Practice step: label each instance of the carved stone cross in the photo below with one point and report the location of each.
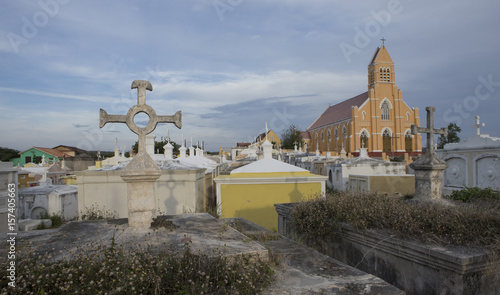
(141, 172)
(429, 130)
(140, 107)
(429, 167)
(478, 125)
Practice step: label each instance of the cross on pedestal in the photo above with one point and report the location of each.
(478, 125)
(140, 107)
(429, 130)
(141, 173)
(429, 167)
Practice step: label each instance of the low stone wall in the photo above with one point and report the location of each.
(411, 266)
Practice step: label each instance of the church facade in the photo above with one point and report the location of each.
(378, 119)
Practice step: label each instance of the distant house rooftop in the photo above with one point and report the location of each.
(243, 144)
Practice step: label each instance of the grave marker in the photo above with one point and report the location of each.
(429, 167)
(142, 172)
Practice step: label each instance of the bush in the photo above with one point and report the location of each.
(474, 193)
(97, 269)
(427, 222)
(55, 218)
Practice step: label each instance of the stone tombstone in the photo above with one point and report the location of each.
(455, 174)
(488, 172)
(429, 167)
(141, 172)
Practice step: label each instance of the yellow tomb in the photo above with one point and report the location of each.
(251, 191)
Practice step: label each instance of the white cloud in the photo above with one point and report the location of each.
(58, 95)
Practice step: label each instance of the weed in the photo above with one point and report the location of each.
(96, 268)
(445, 225)
(95, 213)
(473, 193)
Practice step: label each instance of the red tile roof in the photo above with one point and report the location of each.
(243, 144)
(339, 112)
(50, 151)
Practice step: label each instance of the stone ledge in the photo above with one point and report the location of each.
(409, 265)
(32, 224)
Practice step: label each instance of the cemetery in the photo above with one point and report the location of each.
(250, 147)
(381, 231)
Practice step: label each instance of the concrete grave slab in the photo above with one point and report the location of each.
(200, 231)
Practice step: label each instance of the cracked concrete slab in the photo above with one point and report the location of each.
(305, 271)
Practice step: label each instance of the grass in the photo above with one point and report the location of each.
(94, 212)
(461, 224)
(97, 269)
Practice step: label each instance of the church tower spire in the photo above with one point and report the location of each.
(381, 68)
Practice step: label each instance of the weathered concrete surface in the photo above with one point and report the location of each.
(202, 232)
(303, 270)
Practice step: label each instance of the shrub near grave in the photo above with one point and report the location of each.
(426, 222)
(98, 269)
(474, 193)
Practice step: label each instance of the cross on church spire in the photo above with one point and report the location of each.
(478, 125)
(383, 40)
(429, 130)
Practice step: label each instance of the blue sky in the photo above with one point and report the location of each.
(232, 65)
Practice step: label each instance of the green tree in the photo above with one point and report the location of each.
(453, 130)
(8, 154)
(290, 136)
(158, 147)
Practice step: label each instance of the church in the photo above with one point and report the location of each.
(378, 119)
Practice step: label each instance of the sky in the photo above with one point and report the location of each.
(231, 66)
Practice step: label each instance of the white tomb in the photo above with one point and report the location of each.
(339, 171)
(473, 162)
(34, 202)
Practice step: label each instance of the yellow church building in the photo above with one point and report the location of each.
(378, 119)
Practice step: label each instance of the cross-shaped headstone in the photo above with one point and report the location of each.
(429, 130)
(140, 107)
(478, 125)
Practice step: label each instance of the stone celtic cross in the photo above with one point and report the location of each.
(429, 130)
(141, 172)
(140, 107)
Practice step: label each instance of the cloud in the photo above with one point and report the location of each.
(80, 125)
(58, 95)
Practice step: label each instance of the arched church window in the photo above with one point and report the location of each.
(407, 116)
(386, 110)
(344, 131)
(363, 114)
(322, 137)
(329, 134)
(336, 133)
